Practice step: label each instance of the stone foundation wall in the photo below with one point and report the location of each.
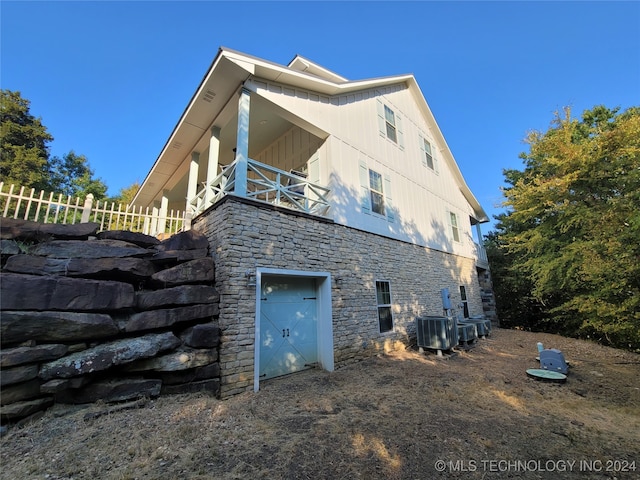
(113, 316)
(488, 297)
(245, 235)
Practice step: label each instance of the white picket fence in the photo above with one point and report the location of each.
(24, 204)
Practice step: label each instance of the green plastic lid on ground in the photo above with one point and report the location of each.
(548, 375)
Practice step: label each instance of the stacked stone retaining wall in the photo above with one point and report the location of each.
(111, 316)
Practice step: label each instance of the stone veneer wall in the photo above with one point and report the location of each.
(113, 317)
(244, 235)
(488, 297)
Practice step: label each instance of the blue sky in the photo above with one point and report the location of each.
(110, 79)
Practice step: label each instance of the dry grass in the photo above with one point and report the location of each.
(390, 417)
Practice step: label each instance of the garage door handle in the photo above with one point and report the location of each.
(285, 334)
(309, 298)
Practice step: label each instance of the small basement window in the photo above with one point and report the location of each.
(465, 303)
(385, 318)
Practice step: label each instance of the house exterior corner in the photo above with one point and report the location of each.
(335, 211)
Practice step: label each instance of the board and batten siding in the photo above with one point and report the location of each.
(291, 151)
(422, 199)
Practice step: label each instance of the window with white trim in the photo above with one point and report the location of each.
(453, 223)
(428, 153)
(376, 193)
(383, 295)
(390, 124)
(390, 120)
(465, 303)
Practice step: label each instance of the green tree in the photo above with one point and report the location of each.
(24, 151)
(72, 175)
(126, 194)
(25, 158)
(572, 230)
(517, 307)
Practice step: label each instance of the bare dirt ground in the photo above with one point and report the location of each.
(403, 415)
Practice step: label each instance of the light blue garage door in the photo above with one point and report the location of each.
(288, 325)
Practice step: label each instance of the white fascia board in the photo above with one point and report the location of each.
(303, 64)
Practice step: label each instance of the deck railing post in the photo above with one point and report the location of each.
(212, 165)
(86, 209)
(155, 215)
(164, 210)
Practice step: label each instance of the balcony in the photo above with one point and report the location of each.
(266, 184)
(481, 256)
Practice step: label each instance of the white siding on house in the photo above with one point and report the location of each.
(422, 197)
(291, 151)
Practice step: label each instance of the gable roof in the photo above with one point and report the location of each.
(304, 65)
(229, 70)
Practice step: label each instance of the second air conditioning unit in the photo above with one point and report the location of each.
(467, 333)
(482, 323)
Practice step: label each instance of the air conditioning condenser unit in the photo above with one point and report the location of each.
(436, 333)
(467, 333)
(482, 324)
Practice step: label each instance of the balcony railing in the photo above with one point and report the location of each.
(267, 184)
(481, 255)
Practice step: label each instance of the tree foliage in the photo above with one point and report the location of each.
(127, 194)
(24, 151)
(25, 158)
(570, 242)
(72, 175)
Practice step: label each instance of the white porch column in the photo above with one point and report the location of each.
(479, 233)
(212, 166)
(155, 214)
(162, 217)
(242, 143)
(192, 182)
